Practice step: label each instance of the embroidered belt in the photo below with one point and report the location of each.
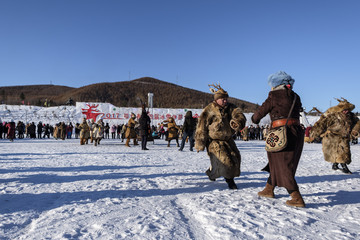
(282, 122)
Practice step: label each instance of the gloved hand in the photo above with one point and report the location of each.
(355, 134)
(234, 125)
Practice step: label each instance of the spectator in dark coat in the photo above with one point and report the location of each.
(32, 130)
(118, 131)
(39, 129)
(47, 131)
(20, 129)
(257, 132)
(1, 130)
(252, 132)
(144, 122)
(107, 131)
(188, 130)
(77, 130)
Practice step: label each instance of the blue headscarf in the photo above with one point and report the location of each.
(280, 78)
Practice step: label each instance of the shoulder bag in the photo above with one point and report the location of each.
(276, 139)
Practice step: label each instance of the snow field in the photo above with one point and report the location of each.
(53, 189)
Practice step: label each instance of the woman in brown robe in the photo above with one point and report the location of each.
(283, 164)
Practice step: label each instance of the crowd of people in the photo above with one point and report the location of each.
(217, 128)
(11, 130)
(134, 129)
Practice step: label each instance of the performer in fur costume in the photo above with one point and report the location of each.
(99, 132)
(130, 131)
(84, 132)
(283, 164)
(335, 127)
(173, 131)
(216, 126)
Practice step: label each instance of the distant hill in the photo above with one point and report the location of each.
(121, 94)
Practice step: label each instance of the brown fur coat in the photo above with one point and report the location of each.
(173, 129)
(214, 131)
(335, 129)
(130, 130)
(85, 130)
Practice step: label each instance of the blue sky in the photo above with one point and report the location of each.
(191, 43)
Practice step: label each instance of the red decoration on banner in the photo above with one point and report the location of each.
(91, 112)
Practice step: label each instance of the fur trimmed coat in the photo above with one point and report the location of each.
(173, 129)
(130, 130)
(92, 126)
(215, 129)
(84, 130)
(99, 130)
(334, 129)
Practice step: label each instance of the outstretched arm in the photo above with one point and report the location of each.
(319, 128)
(238, 120)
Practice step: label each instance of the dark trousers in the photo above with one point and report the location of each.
(191, 140)
(143, 142)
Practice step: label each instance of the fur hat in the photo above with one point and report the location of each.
(280, 78)
(219, 93)
(343, 105)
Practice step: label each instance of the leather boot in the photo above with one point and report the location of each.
(296, 200)
(267, 192)
(335, 166)
(208, 172)
(345, 168)
(168, 144)
(231, 183)
(135, 142)
(127, 142)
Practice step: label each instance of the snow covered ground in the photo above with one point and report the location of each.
(53, 189)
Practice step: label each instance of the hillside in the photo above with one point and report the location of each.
(121, 94)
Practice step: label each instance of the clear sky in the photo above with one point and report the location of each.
(192, 43)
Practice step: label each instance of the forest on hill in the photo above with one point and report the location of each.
(121, 94)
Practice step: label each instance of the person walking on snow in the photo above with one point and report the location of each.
(335, 127)
(283, 164)
(217, 124)
(188, 130)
